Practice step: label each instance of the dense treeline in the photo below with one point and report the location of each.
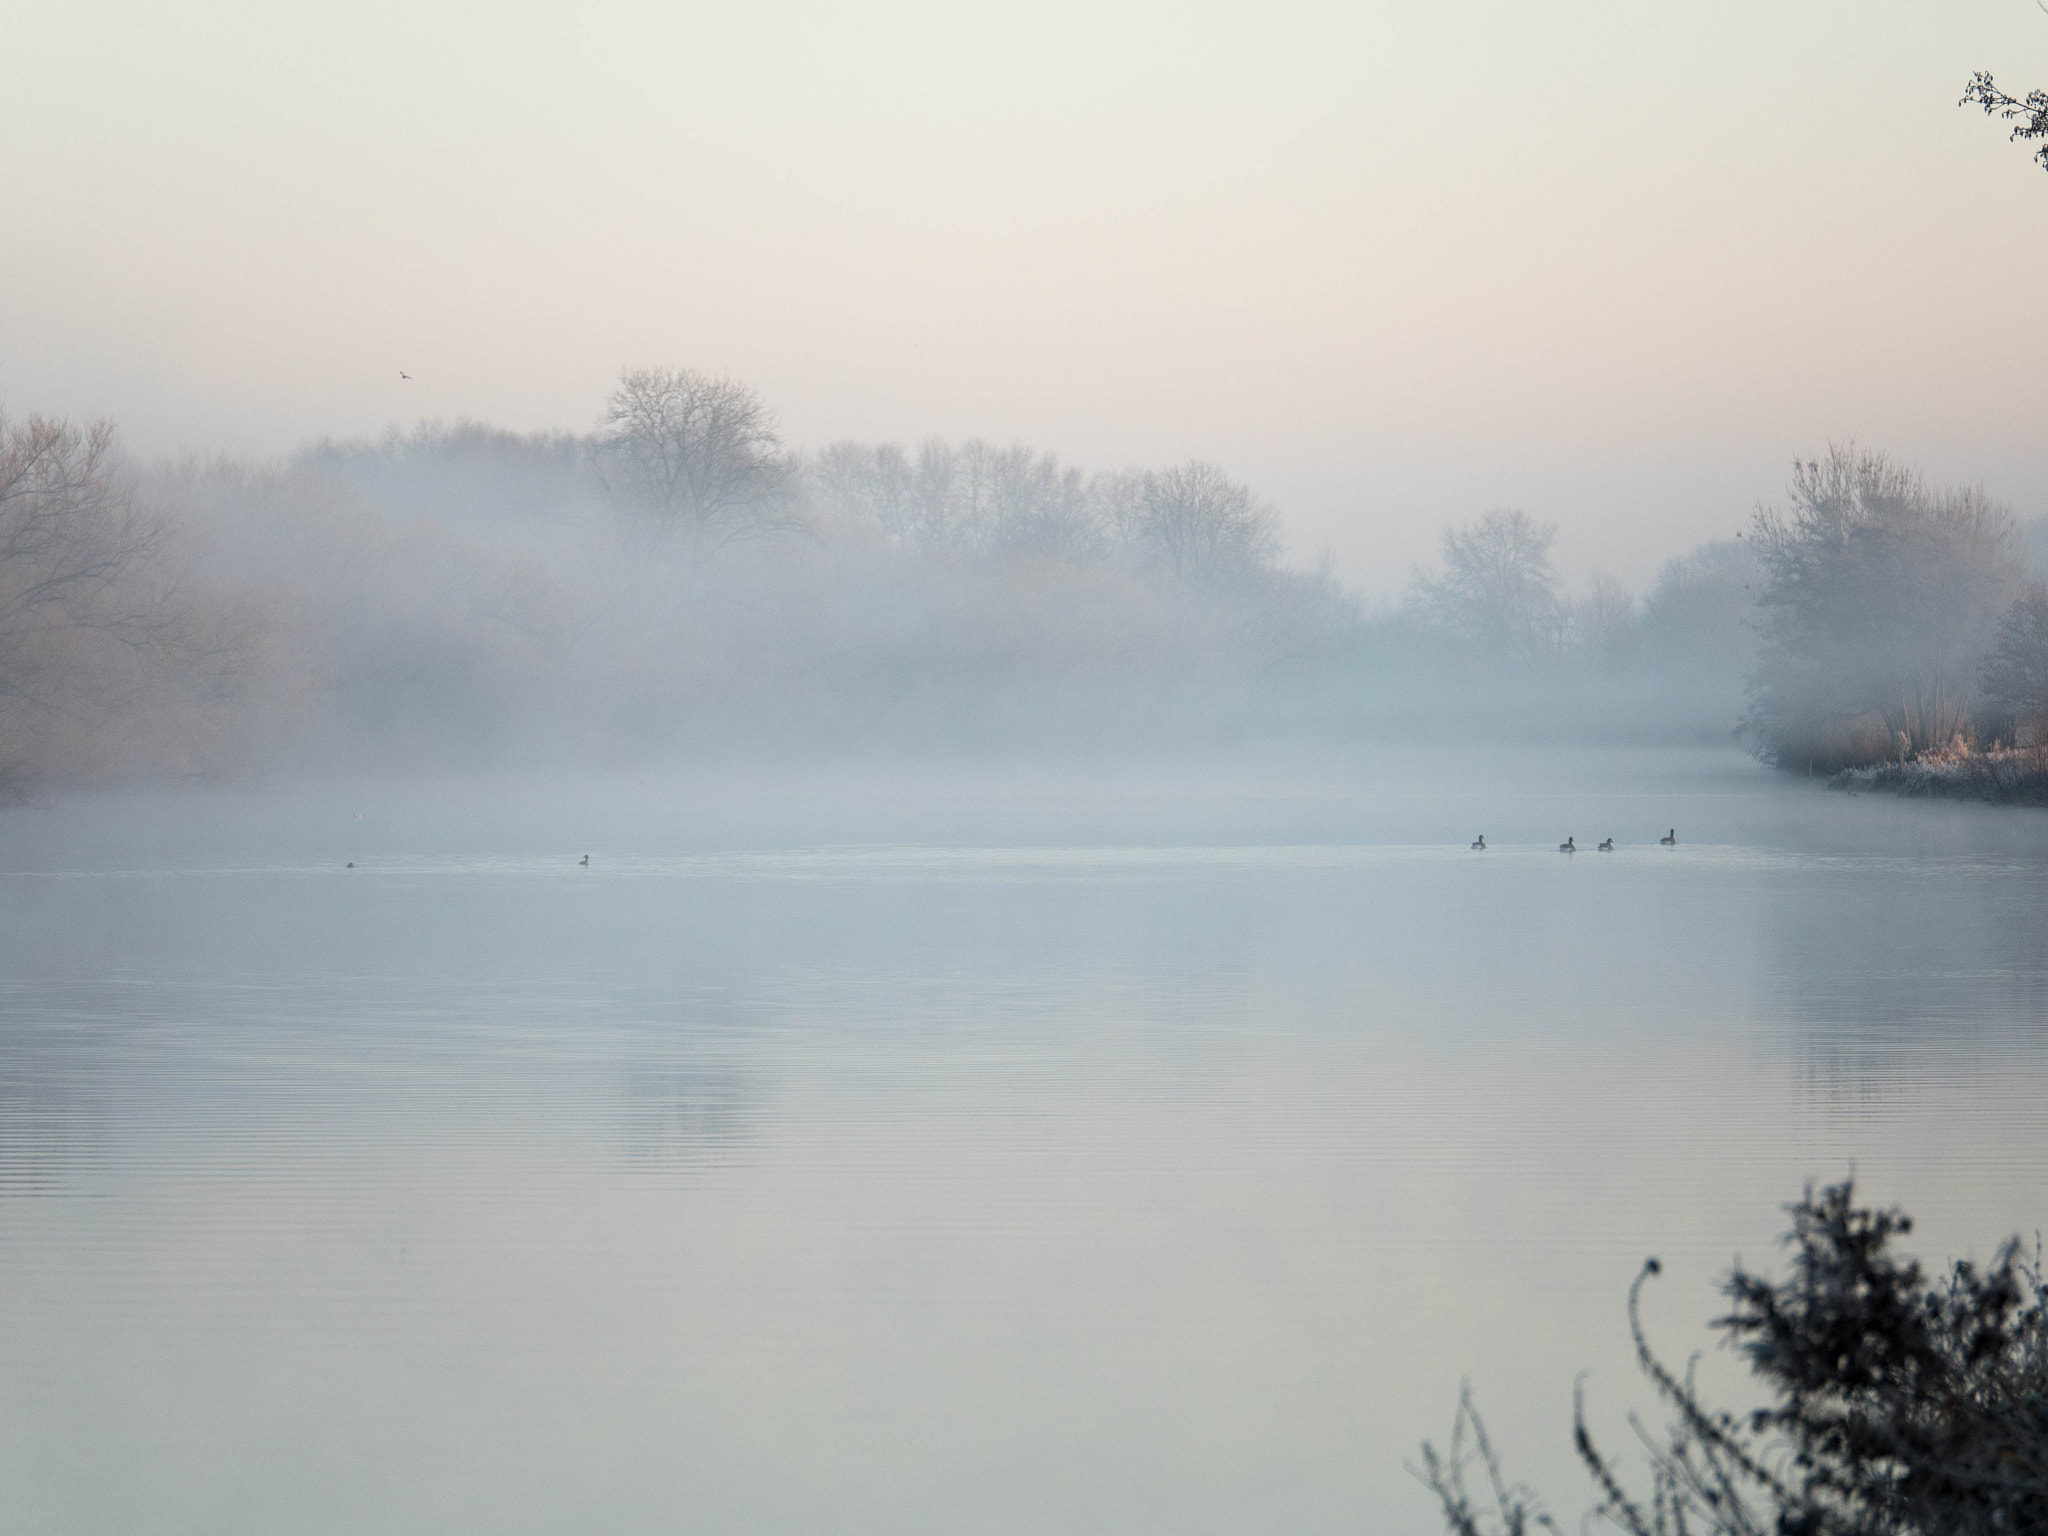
(680, 579)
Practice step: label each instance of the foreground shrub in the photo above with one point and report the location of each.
(1901, 1406)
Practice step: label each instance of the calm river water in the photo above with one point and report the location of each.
(1127, 1150)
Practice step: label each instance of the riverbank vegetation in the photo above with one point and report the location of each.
(1903, 646)
(1999, 775)
(1898, 1404)
(679, 579)
(1880, 605)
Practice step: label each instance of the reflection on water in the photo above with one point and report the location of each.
(683, 1119)
(1135, 1153)
(52, 1118)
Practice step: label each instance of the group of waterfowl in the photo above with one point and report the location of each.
(1571, 844)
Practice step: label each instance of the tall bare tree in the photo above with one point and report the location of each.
(873, 485)
(1198, 524)
(1498, 588)
(80, 604)
(1019, 502)
(699, 452)
(973, 499)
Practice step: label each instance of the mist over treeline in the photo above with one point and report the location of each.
(680, 582)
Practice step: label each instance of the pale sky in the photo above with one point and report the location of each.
(1614, 263)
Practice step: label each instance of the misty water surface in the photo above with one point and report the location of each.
(1151, 1148)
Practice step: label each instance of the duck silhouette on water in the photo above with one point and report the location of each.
(1608, 846)
(584, 862)
(1670, 839)
(1481, 843)
(1569, 845)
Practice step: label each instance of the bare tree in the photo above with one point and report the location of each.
(974, 499)
(872, 485)
(1498, 588)
(700, 452)
(1198, 524)
(1119, 499)
(1019, 502)
(79, 601)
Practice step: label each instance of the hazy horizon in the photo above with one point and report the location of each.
(1390, 266)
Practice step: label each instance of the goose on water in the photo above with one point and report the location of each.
(1608, 846)
(584, 862)
(1569, 845)
(1482, 841)
(1670, 839)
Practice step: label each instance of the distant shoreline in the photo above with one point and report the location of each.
(2013, 776)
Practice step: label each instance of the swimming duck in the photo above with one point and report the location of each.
(584, 862)
(1608, 846)
(1569, 845)
(1670, 839)
(1482, 841)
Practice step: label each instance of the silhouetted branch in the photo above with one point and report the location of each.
(1513, 1510)
(2028, 114)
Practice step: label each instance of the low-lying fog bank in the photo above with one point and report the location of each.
(1413, 796)
(680, 587)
